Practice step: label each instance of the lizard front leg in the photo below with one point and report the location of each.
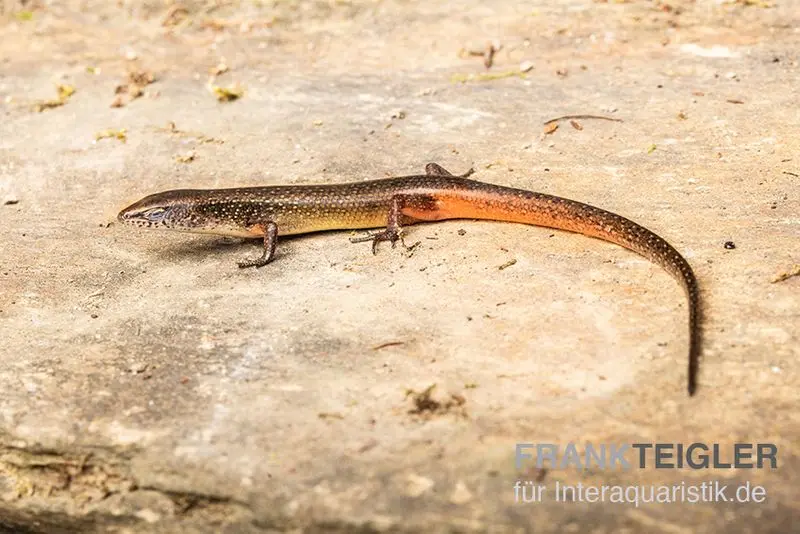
(270, 230)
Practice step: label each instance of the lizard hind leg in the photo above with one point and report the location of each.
(434, 169)
(393, 231)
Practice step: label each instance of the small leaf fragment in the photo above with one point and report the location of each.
(121, 135)
(63, 91)
(550, 127)
(186, 158)
(227, 94)
(486, 76)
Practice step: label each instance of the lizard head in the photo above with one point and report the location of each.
(189, 210)
(170, 209)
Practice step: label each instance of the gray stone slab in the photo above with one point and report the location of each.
(148, 385)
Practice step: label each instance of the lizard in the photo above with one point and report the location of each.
(391, 203)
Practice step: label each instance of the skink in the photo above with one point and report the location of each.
(267, 212)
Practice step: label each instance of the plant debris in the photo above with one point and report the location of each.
(200, 138)
(227, 94)
(133, 88)
(121, 135)
(186, 158)
(582, 117)
(388, 344)
(488, 55)
(486, 77)
(487, 52)
(794, 271)
(550, 127)
(751, 3)
(64, 92)
(245, 26)
(507, 264)
(651, 148)
(425, 404)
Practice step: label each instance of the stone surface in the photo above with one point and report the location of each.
(148, 385)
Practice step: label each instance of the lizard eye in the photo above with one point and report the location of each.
(155, 214)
